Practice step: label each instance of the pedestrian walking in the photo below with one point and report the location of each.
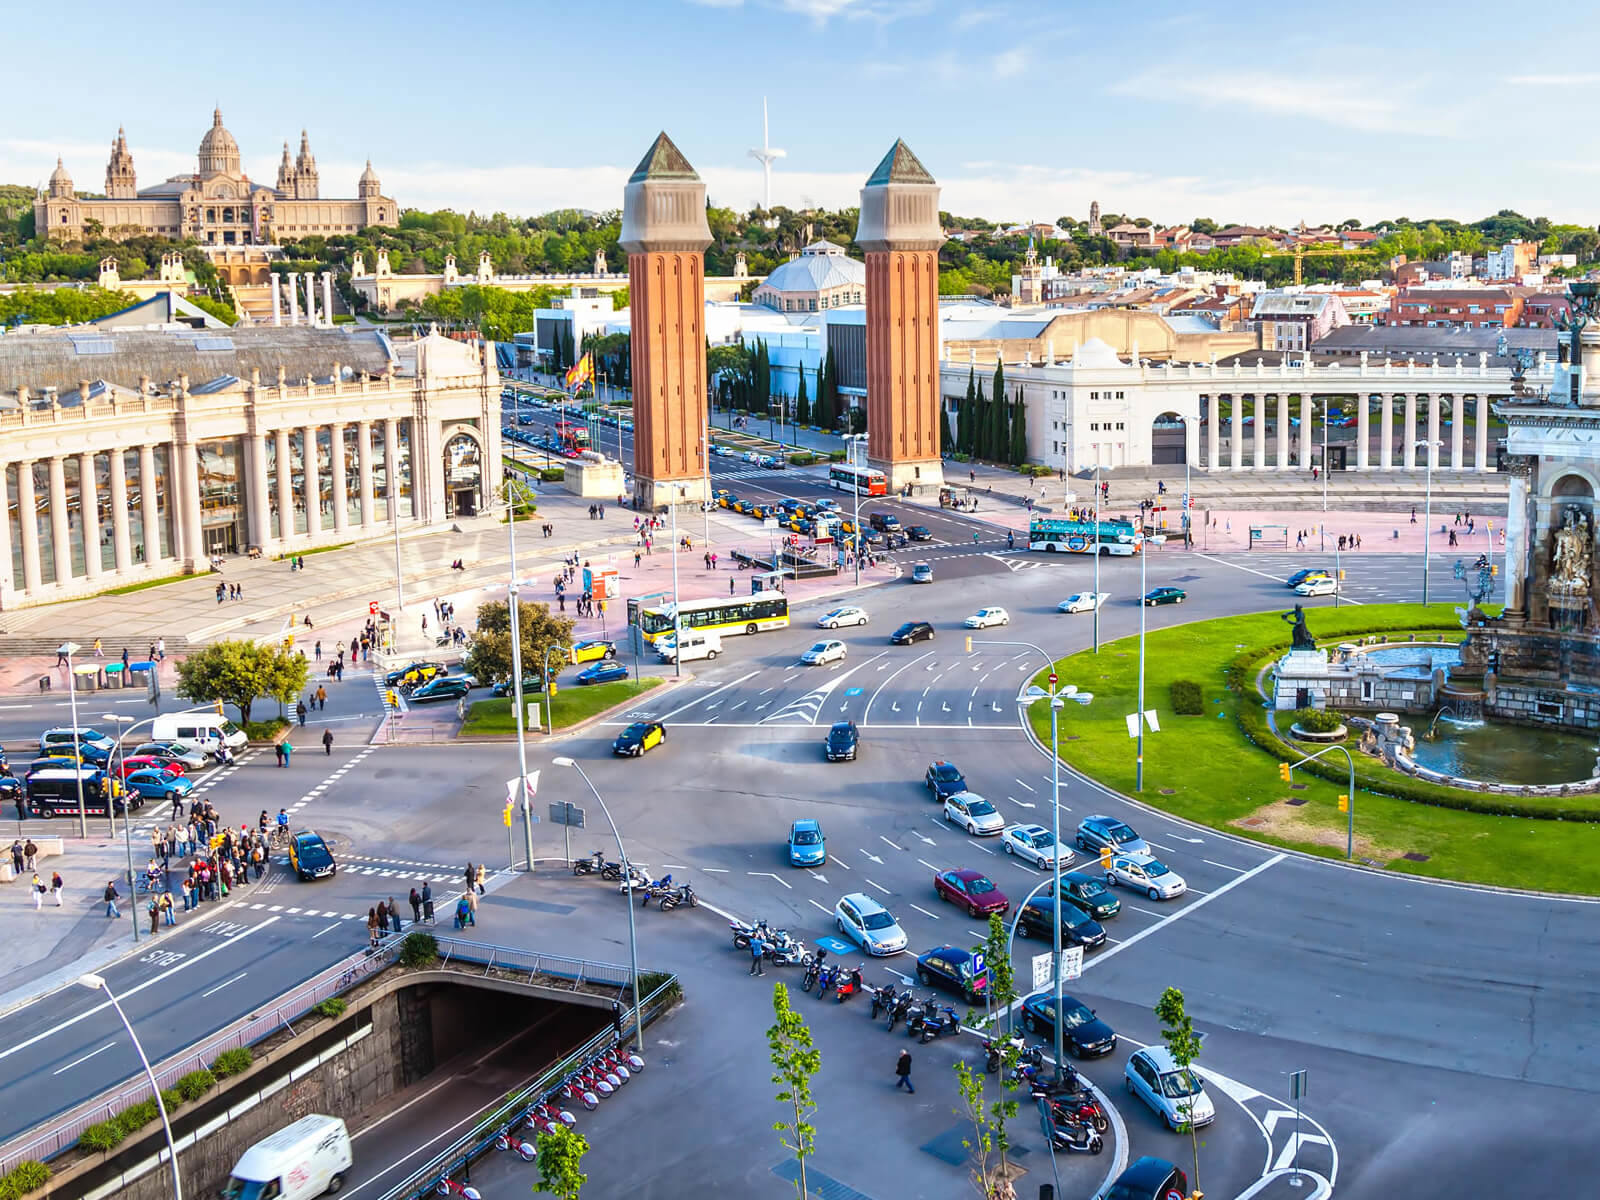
(383, 916)
(167, 915)
(730, 585)
(372, 928)
(17, 857)
(98, 652)
(57, 886)
(427, 902)
(472, 907)
(277, 749)
(394, 915)
(111, 896)
(317, 651)
(37, 888)
(154, 909)
(416, 906)
(125, 658)
(322, 697)
(482, 872)
(300, 710)
(758, 954)
(288, 752)
(902, 1070)
(327, 741)
(471, 876)
(30, 853)
(462, 911)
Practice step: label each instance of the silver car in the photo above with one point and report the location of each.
(870, 924)
(1144, 873)
(1035, 844)
(1173, 1094)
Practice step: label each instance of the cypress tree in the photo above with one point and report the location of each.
(802, 405)
(1019, 433)
(946, 442)
(980, 423)
(999, 426)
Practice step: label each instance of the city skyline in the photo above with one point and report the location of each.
(1320, 124)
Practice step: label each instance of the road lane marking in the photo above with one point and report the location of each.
(1224, 866)
(329, 929)
(929, 865)
(224, 984)
(137, 988)
(887, 842)
(84, 1059)
(819, 907)
(880, 887)
(708, 695)
(716, 870)
(925, 912)
(841, 862)
(1029, 786)
(770, 875)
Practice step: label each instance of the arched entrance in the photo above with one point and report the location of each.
(463, 474)
(1168, 441)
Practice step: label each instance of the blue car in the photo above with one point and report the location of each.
(155, 784)
(603, 672)
(807, 846)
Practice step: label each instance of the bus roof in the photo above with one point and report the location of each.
(1062, 524)
(712, 602)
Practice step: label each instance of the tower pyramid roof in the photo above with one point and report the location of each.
(900, 165)
(662, 161)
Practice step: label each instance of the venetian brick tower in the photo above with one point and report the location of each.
(664, 233)
(900, 232)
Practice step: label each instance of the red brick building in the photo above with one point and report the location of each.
(1456, 308)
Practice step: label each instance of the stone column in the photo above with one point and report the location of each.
(1516, 559)
(364, 461)
(1191, 441)
(1363, 430)
(294, 299)
(1458, 413)
(1408, 447)
(1386, 433)
(391, 476)
(60, 531)
(285, 468)
(260, 496)
(341, 493)
(27, 513)
(1306, 432)
(1284, 431)
(313, 482)
(149, 504)
(119, 510)
(1260, 441)
(191, 524)
(311, 298)
(327, 302)
(89, 506)
(1235, 433)
(1481, 458)
(277, 300)
(1433, 430)
(7, 572)
(1213, 432)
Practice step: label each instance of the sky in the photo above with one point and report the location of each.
(1253, 112)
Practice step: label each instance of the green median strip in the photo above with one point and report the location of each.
(572, 704)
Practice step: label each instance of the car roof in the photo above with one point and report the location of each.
(1160, 1058)
(863, 903)
(1029, 829)
(968, 874)
(1146, 1170)
(805, 823)
(839, 726)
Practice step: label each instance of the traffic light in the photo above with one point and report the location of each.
(1283, 771)
(969, 644)
(1344, 804)
(506, 815)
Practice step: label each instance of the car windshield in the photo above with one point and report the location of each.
(1039, 840)
(980, 885)
(819, 647)
(945, 773)
(878, 920)
(806, 837)
(1121, 834)
(1154, 868)
(1090, 889)
(1075, 1015)
(1073, 918)
(904, 629)
(635, 730)
(979, 808)
(1175, 1085)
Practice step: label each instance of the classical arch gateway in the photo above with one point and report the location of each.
(1168, 440)
(463, 472)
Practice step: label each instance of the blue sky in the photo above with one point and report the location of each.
(1252, 111)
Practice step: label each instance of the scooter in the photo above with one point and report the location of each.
(1068, 1133)
(825, 978)
(744, 933)
(883, 999)
(639, 880)
(995, 1049)
(901, 1009)
(934, 1021)
(785, 951)
(846, 984)
(813, 969)
(682, 894)
(596, 864)
(654, 889)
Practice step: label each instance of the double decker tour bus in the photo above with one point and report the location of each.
(864, 481)
(725, 615)
(573, 435)
(1080, 537)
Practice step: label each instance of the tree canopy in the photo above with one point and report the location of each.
(489, 656)
(240, 672)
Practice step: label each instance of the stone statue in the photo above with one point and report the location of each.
(1302, 636)
(1570, 563)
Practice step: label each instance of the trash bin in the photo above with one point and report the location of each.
(116, 677)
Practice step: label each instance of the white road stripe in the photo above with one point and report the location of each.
(925, 912)
(224, 984)
(84, 1059)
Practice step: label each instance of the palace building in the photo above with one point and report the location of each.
(218, 205)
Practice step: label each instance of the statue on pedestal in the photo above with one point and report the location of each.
(1302, 636)
(1572, 556)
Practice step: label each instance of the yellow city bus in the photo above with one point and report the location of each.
(726, 615)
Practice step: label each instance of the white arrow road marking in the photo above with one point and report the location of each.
(925, 838)
(887, 842)
(872, 856)
(1020, 803)
(819, 877)
(769, 875)
(906, 979)
(1296, 1140)
(925, 912)
(929, 865)
(895, 706)
(946, 704)
(839, 862)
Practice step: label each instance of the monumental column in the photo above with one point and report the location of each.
(664, 233)
(899, 231)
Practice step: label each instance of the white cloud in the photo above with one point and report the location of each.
(1582, 80)
(1008, 64)
(1332, 101)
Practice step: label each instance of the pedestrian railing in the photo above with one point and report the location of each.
(511, 1115)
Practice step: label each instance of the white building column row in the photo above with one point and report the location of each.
(1433, 432)
(27, 507)
(364, 459)
(1306, 438)
(1408, 443)
(313, 481)
(341, 493)
(1283, 431)
(121, 543)
(1363, 431)
(1235, 433)
(1213, 433)
(89, 507)
(1481, 460)
(1386, 433)
(1260, 440)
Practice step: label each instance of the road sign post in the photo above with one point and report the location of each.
(569, 817)
(1297, 1091)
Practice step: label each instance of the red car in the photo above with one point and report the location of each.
(973, 891)
(142, 762)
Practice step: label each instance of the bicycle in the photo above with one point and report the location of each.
(280, 838)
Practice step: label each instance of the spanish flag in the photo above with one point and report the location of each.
(581, 372)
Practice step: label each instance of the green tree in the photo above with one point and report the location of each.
(980, 422)
(220, 309)
(802, 405)
(997, 437)
(489, 656)
(946, 442)
(560, 1159)
(795, 1061)
(239, 672)
(988, 1143)
(1019, 433)
(1177, 1031)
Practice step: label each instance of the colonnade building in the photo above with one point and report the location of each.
(130, 455)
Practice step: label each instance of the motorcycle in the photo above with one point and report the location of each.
(654, 889)
(637, 878)
(825, 978)
(846, 984)
(813, 969)
(682, 894)
(596, 864)
(901, 1010)
(933, 1021)
(785, 951)
(883, 999)
(744, 933)
(995, 1049)
(1069, 1133)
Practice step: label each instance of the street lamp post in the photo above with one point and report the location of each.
(1427, 520)
(549, 713)
(627, 876)
(677, 603)
(1138, 762)
(1096, 609)
(513, 613)
(127, 815)
(69, 649)
(852, 440)
(1327, 401)
(98, 983)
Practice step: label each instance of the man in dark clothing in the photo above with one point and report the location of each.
(327, 741)
(902, 1069)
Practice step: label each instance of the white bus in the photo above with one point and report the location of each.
(730, 615)
(864, 481)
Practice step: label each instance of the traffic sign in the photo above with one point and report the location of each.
(1052, 678)
(372, 608)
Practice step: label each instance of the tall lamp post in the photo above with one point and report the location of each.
(1138, 762)
(127, 815)
(1033, 693)
(69, 649)
(1427, 520)
(1096, 609)
(627, 876)
(98, 983)
(514, 615)
(851, 441)
(1188, 538)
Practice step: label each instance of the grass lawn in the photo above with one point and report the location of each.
(144, 584)
(572, 704)
(1204, 769)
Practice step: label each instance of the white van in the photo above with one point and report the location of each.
(200, 727)
(307, 1159)
(697, 643)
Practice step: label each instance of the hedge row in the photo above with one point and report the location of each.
(803, 459)
(1379, 780)
(232, 1062)
(23, 1178)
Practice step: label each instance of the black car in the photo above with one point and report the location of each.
(1149, 1178)
(919, 533)
(944, 779)
(1301, 576)
(955, 970)
(883, 522)
(1089, 894)
(310, 857)
(1078, 928)
(639, 737)
(441, 687)
(11, 790)
(1083, 1034)
(911, 631)
(843, 742)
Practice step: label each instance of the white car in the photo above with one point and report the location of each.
(1147, 874)
(1318, 585)
(974, 814)
(1173, 1094)
(861, 918)
(750, 456)
(829, 651)
(1083, 602)
(987, 616)
(1035, 844)
(850, 614)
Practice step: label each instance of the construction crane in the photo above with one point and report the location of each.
(1301, 254)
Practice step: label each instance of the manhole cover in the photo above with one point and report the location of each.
(1295, 800)
(1168, 791)
(1252, 822)
(1071, 737)
(1297, 787)
(1413, 856)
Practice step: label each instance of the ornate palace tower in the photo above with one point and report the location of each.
(664, 233)
(900, 232)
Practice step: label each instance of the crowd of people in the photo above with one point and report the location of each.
(212, 860)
